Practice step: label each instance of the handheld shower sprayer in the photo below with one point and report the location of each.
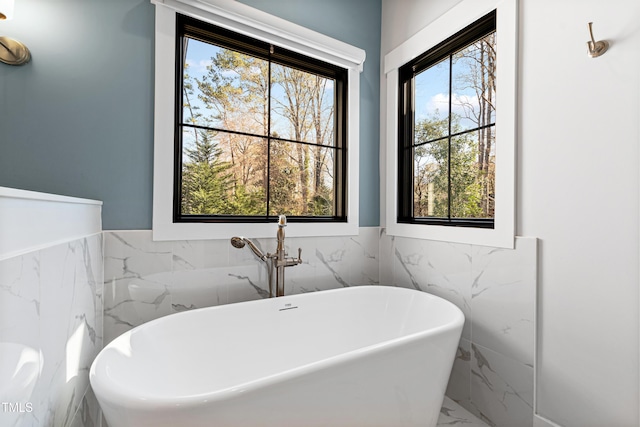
(240, 242)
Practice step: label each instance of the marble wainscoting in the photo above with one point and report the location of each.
(51, 312)
(452, 414)
(145, 279)
(492, 376)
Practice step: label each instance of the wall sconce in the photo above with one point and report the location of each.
(12, 52)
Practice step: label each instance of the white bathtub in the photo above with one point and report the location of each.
(352, 357)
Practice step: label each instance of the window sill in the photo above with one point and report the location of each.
(199, 231)
(473, 236)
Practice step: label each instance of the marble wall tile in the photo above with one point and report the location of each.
(330, 258)
(60, 386)
(503, 295)
(20, 300)
(501, 389)
(247, 283)
(130, 302)
(134, 254)
(89, 413)
(171, 277)
(386, 257)
(202, 276)
(135, 290)
(496, 290)
(302, 278)
(408, 258)
(70, 277)
(20, 332)
(199, 254)
(145, 280)
(57, 291)
(459, 387)
(96, 246)
(363, 257)
(452, 414)
(442, 269)
(447, 272)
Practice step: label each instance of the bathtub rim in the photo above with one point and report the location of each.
(115, 394)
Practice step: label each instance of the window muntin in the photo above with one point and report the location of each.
(260, 130)
(446, 158)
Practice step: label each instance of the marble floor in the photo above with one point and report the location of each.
(453, 414)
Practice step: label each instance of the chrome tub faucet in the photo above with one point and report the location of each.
(278, 260)
(281, 260)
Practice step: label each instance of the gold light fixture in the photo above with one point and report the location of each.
(12, 52)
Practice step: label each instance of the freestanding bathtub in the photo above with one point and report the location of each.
(352, 357)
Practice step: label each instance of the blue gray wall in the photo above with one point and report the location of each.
(78, 119)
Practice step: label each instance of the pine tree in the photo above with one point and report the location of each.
(206, 182)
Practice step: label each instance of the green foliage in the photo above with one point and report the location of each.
(454, 164)
(230, 177)
(433, 171)
(246, 202)
(321, 204)
(205, 179)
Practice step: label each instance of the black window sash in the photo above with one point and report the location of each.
(406, 120)
(212, 34)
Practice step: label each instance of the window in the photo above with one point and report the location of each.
(221, 27)
(446, 159)
(260, 130)
(450, 138)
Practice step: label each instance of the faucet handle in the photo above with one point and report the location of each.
(289, 262)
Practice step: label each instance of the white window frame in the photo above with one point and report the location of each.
(263, 26)
(456, 19)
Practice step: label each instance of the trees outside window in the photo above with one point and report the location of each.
(447, 131)
(260, 130)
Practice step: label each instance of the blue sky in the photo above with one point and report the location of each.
(432, 92)
(198, 58)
